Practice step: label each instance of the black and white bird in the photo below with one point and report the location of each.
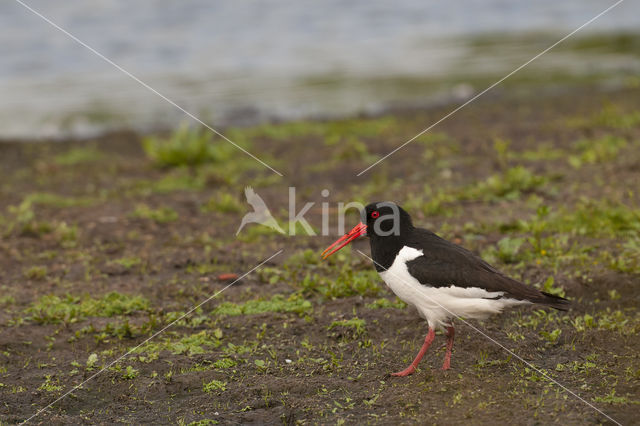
(440, 279)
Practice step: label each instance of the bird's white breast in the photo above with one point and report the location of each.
(438, 305)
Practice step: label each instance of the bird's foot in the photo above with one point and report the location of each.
(446, 366)
(407, 371)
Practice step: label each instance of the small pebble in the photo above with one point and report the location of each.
(225, 277)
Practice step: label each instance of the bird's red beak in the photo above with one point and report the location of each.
(359, 230)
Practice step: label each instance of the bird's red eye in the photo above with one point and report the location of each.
(375, 214)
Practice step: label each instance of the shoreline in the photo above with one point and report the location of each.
(435, 103)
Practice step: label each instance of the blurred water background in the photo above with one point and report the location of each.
(239, 62)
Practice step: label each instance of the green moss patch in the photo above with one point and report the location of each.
(277, 303)
(55, 309)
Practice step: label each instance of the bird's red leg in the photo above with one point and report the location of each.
(423, 350)
(447, 356)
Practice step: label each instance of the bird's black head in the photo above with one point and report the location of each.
(386, 219)
(381, 221)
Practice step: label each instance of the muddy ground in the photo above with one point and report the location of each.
(105, 243)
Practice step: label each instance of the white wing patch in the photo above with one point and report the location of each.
(439, 305)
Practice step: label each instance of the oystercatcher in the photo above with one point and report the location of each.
(440, 279)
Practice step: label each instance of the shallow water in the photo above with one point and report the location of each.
(232, 62)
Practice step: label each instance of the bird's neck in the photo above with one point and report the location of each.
(384, 250)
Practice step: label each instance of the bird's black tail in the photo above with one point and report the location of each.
(554, 301)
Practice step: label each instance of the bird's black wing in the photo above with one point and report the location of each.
(444, 264)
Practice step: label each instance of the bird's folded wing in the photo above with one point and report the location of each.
(450, 268)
